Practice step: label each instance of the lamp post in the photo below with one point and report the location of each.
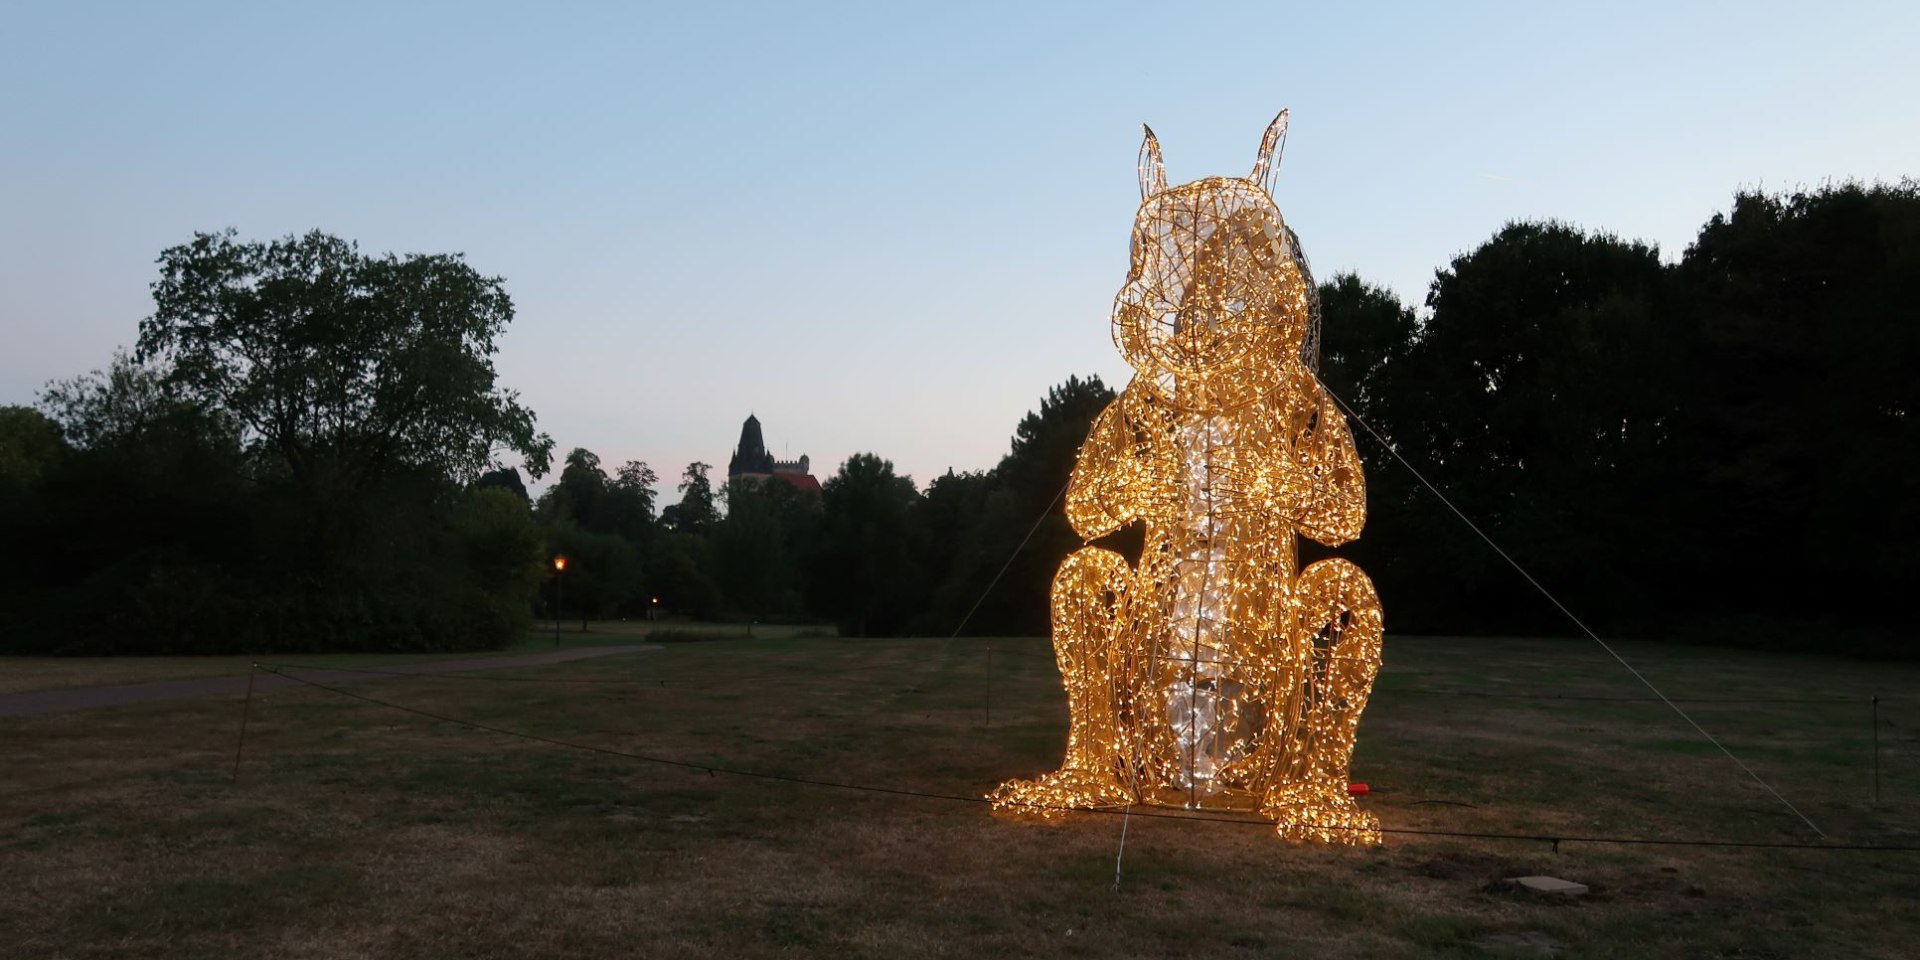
(559, 593)
(653, 612)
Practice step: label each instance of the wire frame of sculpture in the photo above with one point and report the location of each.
(1215, 673)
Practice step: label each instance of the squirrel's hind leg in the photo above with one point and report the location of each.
(1337, 628)
(1087, 596)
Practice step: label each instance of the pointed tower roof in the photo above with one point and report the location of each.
(751, 455)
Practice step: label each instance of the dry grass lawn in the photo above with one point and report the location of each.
(358, 830)
(23, 674)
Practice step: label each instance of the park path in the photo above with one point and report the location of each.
(37, 702)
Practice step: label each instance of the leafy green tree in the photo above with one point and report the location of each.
(609, 524)
(753, 568)
(1539, 395)
(626, 508)
(797, 514)
(577, 496)
(949, 518)
(679, 572)
(505, 478)
(605, 574)
(1047, 442)
(284, 464)
(30, 446)
(1367, 335)
(585, 496)
(113, 404)
(1801, 416)
(1365, 330)
(345, 367)
(125, 539)
(696, 512)
(1021, 523)
(504, 553)
(863, 574)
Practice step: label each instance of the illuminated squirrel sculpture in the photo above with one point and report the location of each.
(1215, 674)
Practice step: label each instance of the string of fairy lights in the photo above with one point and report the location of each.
(1215, 674)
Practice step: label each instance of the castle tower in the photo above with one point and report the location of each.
(750, 456)
(752, 463)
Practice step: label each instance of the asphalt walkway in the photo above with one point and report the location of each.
(37, 702)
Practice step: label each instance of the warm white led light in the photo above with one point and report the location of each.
(1216, 674)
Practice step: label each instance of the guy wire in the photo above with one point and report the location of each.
(1563, 609)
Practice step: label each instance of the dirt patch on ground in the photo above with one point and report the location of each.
(1476, 867)
(1522, 942)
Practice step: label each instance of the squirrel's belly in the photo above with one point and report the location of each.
(1221, 578)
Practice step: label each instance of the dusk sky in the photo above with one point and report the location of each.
(879, 230)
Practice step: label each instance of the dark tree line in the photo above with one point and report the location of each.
(1718, 449)
(869, 553)
(287, 461)
(302, 454)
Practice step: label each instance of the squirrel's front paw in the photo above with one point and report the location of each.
(1322, 814)
(1053, 794)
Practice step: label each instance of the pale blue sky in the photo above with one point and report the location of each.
(879, 228)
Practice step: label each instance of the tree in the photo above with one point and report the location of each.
(505, 478)
(627, 505)
(1046, 442)
(33, 459)
(1365, 331)
(1803, 418)
(106, 406)
(753, 568)
(1018, 520)
(345, 367)
(679, 569)
(126, 537)
(577, 495)
(863, 575)
(950, 522)
(504, 553)
(1539, 395)
(1367, 338)
(604, 573)
(30, 446)
(696, 512)
(286, 462)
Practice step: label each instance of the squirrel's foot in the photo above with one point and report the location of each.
(1053, 794)
(1322, 814)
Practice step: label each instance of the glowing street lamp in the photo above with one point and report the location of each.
(559, 593)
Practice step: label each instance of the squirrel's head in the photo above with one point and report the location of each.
(1215, 283)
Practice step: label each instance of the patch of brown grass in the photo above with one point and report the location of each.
(356, 830)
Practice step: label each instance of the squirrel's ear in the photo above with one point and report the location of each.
(1266, 165)
(1153, 173)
